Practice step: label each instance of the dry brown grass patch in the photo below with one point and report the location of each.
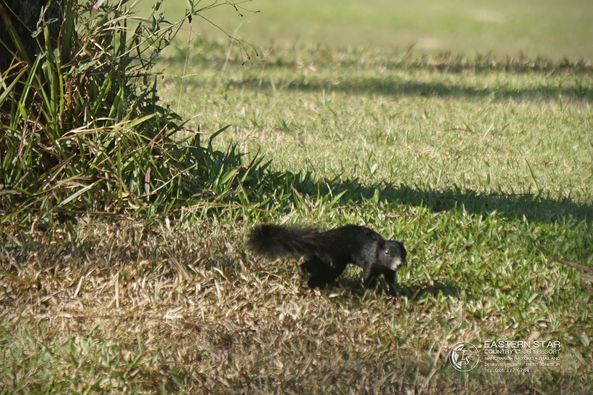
(119, 307)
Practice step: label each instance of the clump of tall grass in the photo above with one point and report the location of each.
(82, 127)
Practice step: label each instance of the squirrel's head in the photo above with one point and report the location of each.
(392, 254)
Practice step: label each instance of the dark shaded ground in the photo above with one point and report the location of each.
(533, 207)
(399, 88)
(214, 54)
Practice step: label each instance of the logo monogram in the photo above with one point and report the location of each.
(464, 357)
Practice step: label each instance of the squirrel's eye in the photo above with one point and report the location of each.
(386, 252)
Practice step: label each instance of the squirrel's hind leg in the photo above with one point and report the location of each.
(323, 274)
(308, 266)
(319, 272)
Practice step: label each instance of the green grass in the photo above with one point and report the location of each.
(482, 165)
(376, 117)
(548, 28)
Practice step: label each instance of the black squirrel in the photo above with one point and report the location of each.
(329, 252)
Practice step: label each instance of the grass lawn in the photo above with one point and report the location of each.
(547, 28)
(481, 164)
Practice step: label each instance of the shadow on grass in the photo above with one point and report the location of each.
(212, 54)
(341, 62)
(400, 88)
(420, 291)
(413, 293)
(533, 207)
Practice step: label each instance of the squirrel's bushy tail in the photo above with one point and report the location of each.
(277, 240)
